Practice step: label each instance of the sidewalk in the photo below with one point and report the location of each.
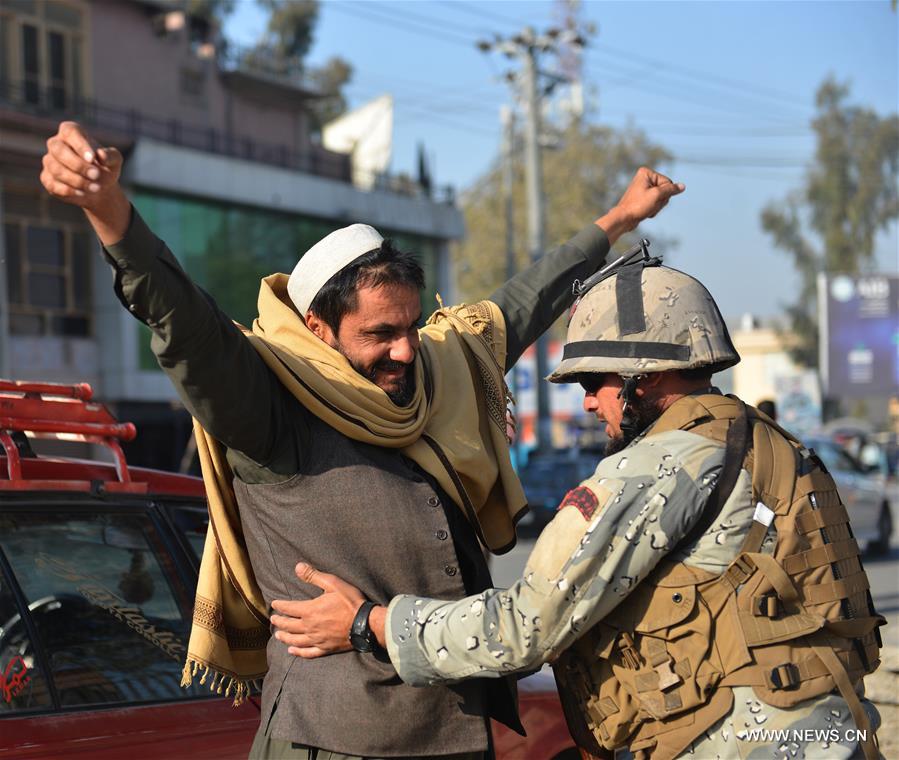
(882, 688)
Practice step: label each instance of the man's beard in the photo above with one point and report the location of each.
(402, 394)
(642, 413)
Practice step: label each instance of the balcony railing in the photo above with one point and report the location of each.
(260, 62)
(56, 104)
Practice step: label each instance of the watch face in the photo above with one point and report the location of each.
(361, 641)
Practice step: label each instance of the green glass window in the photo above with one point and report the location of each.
(227, 250)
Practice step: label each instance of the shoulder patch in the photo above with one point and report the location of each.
(583, 499)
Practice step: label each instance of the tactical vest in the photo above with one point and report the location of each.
(794, 624)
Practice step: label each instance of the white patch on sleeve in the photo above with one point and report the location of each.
(763, 514)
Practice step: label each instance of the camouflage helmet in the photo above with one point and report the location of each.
(643, 318)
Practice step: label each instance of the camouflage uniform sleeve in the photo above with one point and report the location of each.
(608, 534)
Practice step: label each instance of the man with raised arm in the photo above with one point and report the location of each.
(337, 432)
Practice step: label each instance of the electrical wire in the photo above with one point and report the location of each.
(373, 14)
(721, 81)
(435, 110)
(480, 11)
(429, 20)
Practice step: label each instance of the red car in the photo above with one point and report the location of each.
(98, 564)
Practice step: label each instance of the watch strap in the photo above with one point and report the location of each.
(361, 636)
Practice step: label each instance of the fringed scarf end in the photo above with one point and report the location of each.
(220, 683)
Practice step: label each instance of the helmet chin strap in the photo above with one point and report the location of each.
(629, 425)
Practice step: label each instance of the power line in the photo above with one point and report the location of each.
(423, 111)
(442, 105)
(688, 126)
(710, 99)
(682, 95)
(462, 95)
(480, 12)
(441, 24)
(705, 75)
(754, 162)
(423, 24)
(372, 14)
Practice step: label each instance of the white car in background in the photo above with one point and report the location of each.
(863, 489)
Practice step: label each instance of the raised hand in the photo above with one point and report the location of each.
(78, 171)
(647, 194)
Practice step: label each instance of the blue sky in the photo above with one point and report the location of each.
(727, 87)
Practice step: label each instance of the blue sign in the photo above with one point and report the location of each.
(860, 335)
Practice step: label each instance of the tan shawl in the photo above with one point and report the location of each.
(454, 428)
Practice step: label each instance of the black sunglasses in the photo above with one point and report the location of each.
(591, 381)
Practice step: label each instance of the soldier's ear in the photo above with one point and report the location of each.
(648, 382)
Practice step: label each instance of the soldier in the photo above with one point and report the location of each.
(700, 593)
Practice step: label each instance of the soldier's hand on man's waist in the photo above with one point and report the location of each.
(78, 171)
(647, 194)
(322, 625)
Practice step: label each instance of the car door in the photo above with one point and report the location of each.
(95, 605)
(856, 491)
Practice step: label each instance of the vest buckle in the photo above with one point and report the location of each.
(766, 605)
(628, 651)
(667, 677)
(739, 570)
(785, 676)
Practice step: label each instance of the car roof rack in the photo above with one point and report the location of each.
(62, 412)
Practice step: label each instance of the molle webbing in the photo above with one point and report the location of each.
(823, 555)
(793, 624)
(816, 519)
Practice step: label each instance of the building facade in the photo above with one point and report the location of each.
(221, 160)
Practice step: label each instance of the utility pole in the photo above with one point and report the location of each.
(526, 46)
(507, 118)
(536, 234)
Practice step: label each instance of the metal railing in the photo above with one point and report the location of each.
(54, 103)
(259, 61)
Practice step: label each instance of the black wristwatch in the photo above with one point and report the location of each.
(361, 635)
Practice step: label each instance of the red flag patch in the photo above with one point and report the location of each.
(582, 498)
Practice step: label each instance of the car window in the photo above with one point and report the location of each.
(191, 522)
(104, 597)
(22, 682)
(834, 458)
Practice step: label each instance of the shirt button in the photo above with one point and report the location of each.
(442, 534)
(433, 501)
(450, 570)
(132, 308)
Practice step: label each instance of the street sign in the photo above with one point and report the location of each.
(859, 334)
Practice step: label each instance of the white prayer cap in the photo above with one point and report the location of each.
(326, 258)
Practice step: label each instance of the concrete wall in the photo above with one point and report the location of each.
(133, 67)
(764, 358)
(169, 168)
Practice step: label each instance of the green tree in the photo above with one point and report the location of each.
(213, 11)
(582, 178)
(287, 38)
(288, 35)
(849, 195)
(329, 81)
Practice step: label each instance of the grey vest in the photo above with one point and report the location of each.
(367, 514)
